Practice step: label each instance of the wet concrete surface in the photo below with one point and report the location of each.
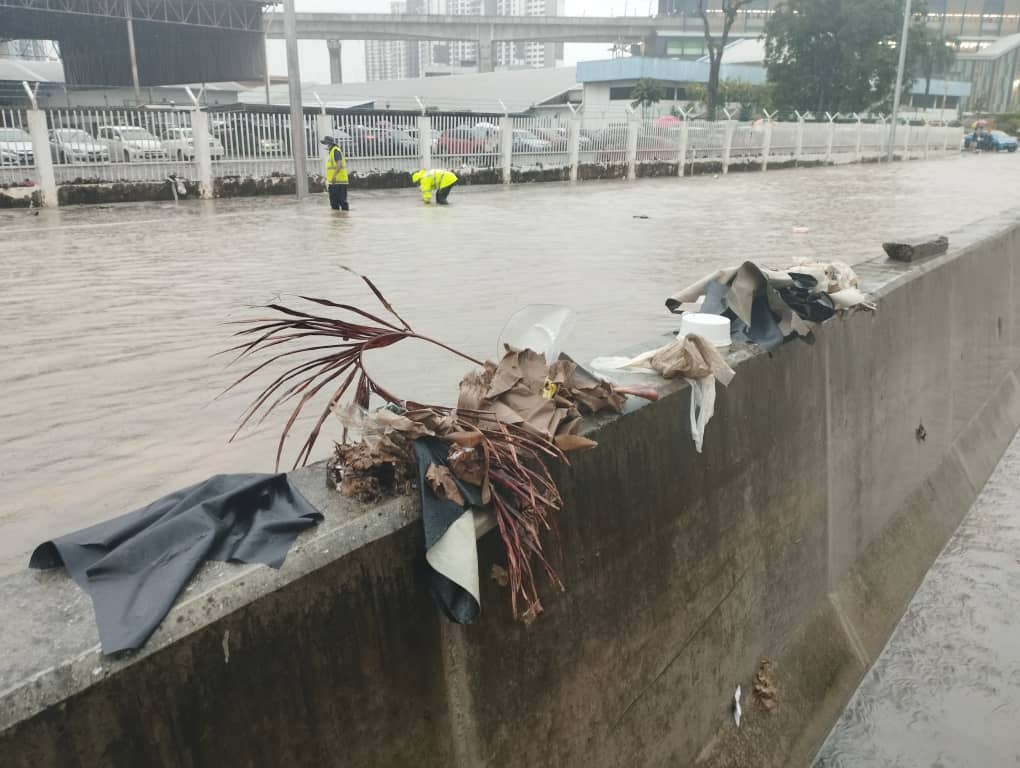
(946, 689)
(112, 315)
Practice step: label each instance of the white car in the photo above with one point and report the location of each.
(73, 145)
(131, 143)
(15, 147)
(180, 143)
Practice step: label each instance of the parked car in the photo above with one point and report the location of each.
(991, 141)
(252, 135)
(15, 147)
(558, 138)
(73, 145)
(526, 141)
(364, 142)
(413, 133)
(461, 141)
(131, 143)
(180, 143)
(396, 141)
(612, 144)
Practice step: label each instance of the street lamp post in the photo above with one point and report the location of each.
(297, 112)
(899, 82)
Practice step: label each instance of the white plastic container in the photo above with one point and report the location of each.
(714, 328)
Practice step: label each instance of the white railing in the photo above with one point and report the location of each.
(17, 154)
(111, 145)
(150, 145)
(539, 143)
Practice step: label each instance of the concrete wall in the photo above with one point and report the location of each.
(799, 536)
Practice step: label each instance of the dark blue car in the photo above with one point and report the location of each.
(990, 141)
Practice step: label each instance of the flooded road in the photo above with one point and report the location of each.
(945, 691)
(111, 316)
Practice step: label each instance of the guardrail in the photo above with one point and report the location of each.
(150, 145)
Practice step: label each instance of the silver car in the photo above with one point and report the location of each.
(73, 145)
(15, 147)
(131, 144)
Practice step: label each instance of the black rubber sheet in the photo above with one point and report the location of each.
(438, 515)
(134, 566)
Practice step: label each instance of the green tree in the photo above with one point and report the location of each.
(835, 55)
(646, 93)
(933, 52)
(715, 47)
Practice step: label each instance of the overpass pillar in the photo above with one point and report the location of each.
(485, 54)
(336, 67)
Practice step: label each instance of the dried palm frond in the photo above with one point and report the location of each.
(338, 364)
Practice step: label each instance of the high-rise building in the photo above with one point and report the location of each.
(395, 59)
(506, 55)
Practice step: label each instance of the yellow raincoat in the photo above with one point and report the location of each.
(436, 180)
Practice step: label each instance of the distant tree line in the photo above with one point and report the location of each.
(828, 55)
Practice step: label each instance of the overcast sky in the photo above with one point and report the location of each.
(315, 59)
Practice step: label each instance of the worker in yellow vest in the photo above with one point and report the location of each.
(436, 180)
(336, 174)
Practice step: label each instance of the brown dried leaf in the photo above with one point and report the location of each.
(574, 443)
(529, 615)
(440, 479)
(467, 464)
(499, 575)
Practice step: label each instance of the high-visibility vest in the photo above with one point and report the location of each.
(336, 166)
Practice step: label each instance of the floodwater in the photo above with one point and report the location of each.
(112, 315)
(945, 691)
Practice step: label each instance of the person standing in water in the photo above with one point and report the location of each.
(336, 175)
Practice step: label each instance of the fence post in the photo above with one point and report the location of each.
(927, 136)
(425, 140)
(632, 136)
(767, 143)
(574, 145)
(883, 139)
(832, 137)
(859, 139)
(731, 126)
(685, 139)
(906, 143)
(200, 135)
(945, 137)
(43, 161)
(506, 135)
(798, 148)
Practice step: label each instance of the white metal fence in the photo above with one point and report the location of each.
(17, 155)
(114, 145)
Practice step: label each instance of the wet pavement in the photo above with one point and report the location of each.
(112, 315)
(946, 690)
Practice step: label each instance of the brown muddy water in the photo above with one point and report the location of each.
(112, 316)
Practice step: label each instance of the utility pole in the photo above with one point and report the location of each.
(899, 81)
(131, 52)
(297, 112)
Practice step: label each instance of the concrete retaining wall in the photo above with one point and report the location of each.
(799, 536)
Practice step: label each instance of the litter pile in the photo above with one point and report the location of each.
(766, 304)
(482, 464)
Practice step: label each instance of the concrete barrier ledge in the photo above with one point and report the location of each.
(799, 535)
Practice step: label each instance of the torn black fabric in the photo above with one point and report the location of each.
(437, 516)
(804, 298)
(134, 566)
